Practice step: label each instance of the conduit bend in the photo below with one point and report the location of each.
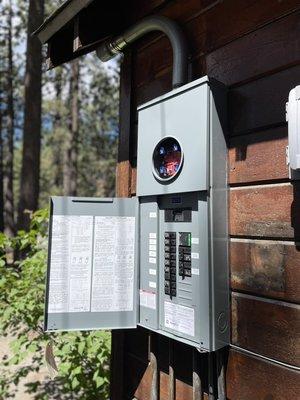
(171, 29)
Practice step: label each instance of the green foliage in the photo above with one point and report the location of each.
(82, 357)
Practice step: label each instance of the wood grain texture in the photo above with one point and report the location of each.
(268, 268)
(261, 103)
(259, 156)
(123, 179)
(267, 327)
(140, 377)
(204, 27)
(250, 378)
(265, 211)
(274, 46)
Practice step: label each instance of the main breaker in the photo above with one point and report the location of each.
(159, 260)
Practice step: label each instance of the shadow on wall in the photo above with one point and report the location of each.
(295, 213)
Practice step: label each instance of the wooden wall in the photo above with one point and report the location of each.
(253, 47)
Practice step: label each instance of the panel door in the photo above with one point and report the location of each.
(92, 264)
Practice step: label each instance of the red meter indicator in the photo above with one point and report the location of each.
(167, 159)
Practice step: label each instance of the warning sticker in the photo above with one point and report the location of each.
(147, 299)
(180, 318)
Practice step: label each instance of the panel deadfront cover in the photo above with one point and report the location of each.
(92, 259)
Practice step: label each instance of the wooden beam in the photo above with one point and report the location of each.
(267, 327)
(250, 378)
(269, 211)
(266, 268)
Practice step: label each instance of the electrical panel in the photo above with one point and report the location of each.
(293, 119)
(159, 260)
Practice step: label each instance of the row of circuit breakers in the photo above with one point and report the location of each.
(159, 260)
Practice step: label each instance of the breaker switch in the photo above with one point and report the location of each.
(173, 277)
(187, 272)
(170, 260)
(185, 238)
(187, 257)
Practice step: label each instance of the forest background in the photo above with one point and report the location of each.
(58, 136)
(58, 128)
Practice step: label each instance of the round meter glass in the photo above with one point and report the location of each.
(167, 159)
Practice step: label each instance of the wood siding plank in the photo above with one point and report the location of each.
(273, 47)
(250, 378)
(267, 327)
(260, 156)
(206, 32)
(265, 211)
(261, 103)
(267, 268)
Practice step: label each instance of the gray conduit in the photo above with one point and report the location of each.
(171, 29)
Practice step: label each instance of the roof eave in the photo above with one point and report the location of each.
(59, 18)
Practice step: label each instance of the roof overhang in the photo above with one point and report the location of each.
(60, 17)
(78, 27)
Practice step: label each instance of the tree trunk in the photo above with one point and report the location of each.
(1, 173)
(57, 121)
(30, 171)
(8, 178)
(71, 153)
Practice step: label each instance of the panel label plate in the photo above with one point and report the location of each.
(179, 318)
(148, 299)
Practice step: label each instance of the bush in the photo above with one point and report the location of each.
(82, 357)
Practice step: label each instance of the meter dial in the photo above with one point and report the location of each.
(167, 159)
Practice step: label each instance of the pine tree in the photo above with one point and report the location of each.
(30, 172)
(71, 152)
(8, 162)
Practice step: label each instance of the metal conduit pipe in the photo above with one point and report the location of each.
(171, 29)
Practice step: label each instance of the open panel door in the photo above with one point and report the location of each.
(92, 264)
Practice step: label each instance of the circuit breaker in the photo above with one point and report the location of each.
(159, 260)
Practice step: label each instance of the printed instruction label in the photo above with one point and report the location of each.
(113, 269)
(179, 318)
(148, 299)
(71, 264)
(92, 264)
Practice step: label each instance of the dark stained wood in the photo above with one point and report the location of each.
(250, 378)
(206, 31)
(261, 103)
(265, 211)
(270, 48)
(267, 327)
(260, 156)
(123, 173)
(268, 268)
(117, 369)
